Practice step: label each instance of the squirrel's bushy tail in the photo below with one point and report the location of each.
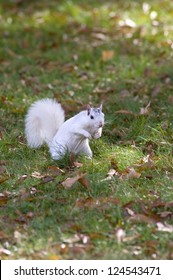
(42, 121)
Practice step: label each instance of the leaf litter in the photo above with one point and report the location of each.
(149, 212)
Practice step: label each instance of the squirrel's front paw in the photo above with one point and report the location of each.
(97, 134)
(87, 135)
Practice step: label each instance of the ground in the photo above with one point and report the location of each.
(119, 204)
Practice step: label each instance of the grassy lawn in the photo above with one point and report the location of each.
(118, 53)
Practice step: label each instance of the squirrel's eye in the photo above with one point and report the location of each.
(91, 117)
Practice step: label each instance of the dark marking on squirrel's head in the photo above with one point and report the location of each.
(88, 109)
(96, 115)
(95, 110)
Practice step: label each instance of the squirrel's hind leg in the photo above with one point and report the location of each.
(85, 149)
(57, 151)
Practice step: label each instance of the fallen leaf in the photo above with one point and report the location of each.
(4, 177)
(69, 68)
(78, 249)
(55, 170)
(84, 182)
(120, 234)
(4, 251)
(130, 174)
(47, 179)
(64, 248)
(125, 112)
(146, 164)
(145, 110)
(164, 227)
(33, 190)
(100, 36)
(69, 182)
(3, 199)
(111, 174)
(18, 236)
(150, 247)
(97, 235)
(103, 90)
(166, 214)
(129, 211)
(129, 22)
(156, 90)
(131, 238)
(21, 179)
(3, 235)
(100, 202)
(23, 218)
(107, 55)
(37, 175)
(141, 218)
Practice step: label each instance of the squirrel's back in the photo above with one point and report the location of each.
(42, 121)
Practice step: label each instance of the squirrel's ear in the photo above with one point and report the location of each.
(88, 109)
(101, 106)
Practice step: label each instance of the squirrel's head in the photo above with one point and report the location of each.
(96, 116)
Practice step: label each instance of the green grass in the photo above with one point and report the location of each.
(55, 49)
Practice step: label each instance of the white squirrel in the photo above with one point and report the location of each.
(44, 123)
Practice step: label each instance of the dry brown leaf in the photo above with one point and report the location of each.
(130, 174)
(4, 177)
(146, 164)
(103, 90)
(69, 67)
(3, 199)
(131, 238)
(145, 110)
(55, 170)
(111, 174)
(141, 218)
(166, 214)
(63, 248)
(156, 90)
(69, 182)
(84, 182)
(100, 202)
(125, 112)
(47, 179)
(88, 202)
(107, 55)
(159, 203)
(3, 235)
(21, 179)
(78, 249)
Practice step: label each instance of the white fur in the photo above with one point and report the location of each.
(45, 123)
